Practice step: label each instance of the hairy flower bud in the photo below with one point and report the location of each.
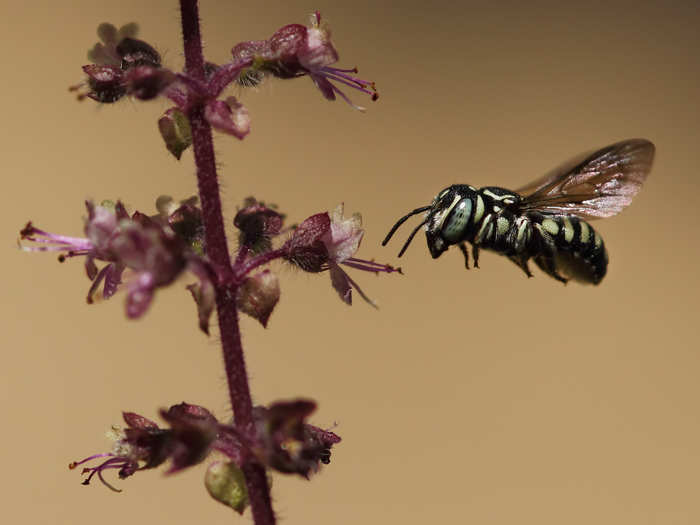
(106, 83)
(257, 223)
(134, 52)
(305, 248)
(225, 482)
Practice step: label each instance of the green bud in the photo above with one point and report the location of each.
(226, 483)
(175, 130)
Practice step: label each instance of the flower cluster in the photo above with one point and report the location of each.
(140, 253)
(123, 65)
(280, 439)
(154, 251)
(143, 253)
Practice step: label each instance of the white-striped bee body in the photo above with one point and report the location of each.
(547, 220)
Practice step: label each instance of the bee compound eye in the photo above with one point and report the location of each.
(456, 223)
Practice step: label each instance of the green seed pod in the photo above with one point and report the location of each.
(226, 483)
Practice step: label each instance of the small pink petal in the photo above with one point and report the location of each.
(229, 117)
(341, 283)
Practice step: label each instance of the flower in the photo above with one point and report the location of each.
(229, 116)
(324, 242)
(288, 444)
(149, 248)
(144, 445)
(296, 50)
(279, 438)
(122, 64)
(106, 52)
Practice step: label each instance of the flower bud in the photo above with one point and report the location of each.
(225, 483)
(306, 248)
(105, 82)
(258, 223)
(134, 52)
(176, 132)
(258, 296)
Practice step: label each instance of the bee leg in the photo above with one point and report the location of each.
(547, 265)
(475, 254)
(521, 261)
(463, 249)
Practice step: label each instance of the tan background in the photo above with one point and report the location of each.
(469, 397)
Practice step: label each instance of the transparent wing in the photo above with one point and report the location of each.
(594, 185)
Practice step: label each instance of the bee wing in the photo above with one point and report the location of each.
(594, 185)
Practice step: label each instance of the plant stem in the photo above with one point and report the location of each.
(217, 251)
(243, 267)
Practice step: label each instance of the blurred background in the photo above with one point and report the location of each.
(470, 396)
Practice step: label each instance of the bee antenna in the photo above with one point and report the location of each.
(410, 237)
(401, 221)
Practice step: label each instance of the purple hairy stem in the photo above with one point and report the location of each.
(217, 251)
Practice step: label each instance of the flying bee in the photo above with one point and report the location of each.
(545, 220)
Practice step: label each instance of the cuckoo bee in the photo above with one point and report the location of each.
(547, 220)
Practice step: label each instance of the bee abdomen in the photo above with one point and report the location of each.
(570, 249)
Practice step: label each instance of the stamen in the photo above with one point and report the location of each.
(353, 70)
(106, 484)
(334, 73)
(346, 99)
(354, 85)
(370, 266)
(114, 462)
(74, 464)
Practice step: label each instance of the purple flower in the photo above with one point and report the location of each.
(285, 442)
(324, 242)
(294, 51)
(122, 64)
(106, 52)
(229, 116)
(150, 248)
(143, 445)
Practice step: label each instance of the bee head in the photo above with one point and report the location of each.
(435, 218)
(436, 214)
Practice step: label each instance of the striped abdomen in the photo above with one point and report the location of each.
(570, 248)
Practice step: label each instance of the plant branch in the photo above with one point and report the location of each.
(217, 252)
